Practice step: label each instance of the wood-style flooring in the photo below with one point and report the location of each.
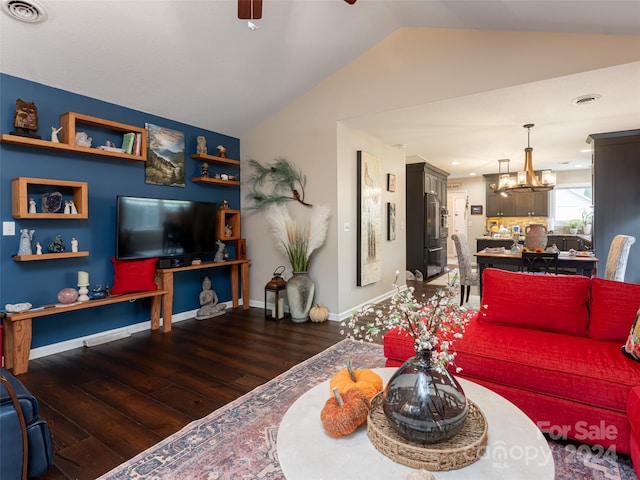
(107, 403)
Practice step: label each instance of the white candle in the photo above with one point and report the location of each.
(83, 278)
(280, 308)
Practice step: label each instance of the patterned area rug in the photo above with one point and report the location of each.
(238, 441)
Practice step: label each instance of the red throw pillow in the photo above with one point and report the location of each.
(555, 303)
(613, 307)
(134, 275)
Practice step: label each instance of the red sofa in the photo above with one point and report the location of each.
(552, 346)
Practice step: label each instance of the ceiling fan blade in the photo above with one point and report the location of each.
(249, 9)
(257, 9)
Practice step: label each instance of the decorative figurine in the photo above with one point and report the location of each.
(32, 205)
(201, 147)
(223, 205)
(67, 207)
(74, 244)
(54, 134)
(72, 206)
(38, 248)
(224, 176)
(209, 302)
(222, 152)
(222, 254)
(97, 293)
(205, 170)
(25, 242)
(228, 231)
(83, 140)
(57, 246)
(26, 119)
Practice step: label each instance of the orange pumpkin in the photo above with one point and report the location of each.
(365, 380)
(342, 414)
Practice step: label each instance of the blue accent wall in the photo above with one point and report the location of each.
(39, 282)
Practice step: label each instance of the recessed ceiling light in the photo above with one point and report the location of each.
(29, 11)
(586, 99)
(455, 163)
(472, 174)
(585, 150)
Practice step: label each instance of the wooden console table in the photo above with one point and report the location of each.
(165, 281)
(18, 326)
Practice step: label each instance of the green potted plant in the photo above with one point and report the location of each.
(574, 225)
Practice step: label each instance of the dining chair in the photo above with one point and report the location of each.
(468, 277)
(617, 258)
(540, 262)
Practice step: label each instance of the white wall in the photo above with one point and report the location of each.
(393, 252)
(412, 66)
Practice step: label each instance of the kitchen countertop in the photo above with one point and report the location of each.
(579, 235)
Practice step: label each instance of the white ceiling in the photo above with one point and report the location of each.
(194, 61)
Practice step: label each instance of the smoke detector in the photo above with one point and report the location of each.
(29, 11)
(586, 99)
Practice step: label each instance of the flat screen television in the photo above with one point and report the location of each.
(163, 228)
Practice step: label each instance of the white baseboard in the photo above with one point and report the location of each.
(109, 335)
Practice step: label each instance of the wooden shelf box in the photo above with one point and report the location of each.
(228, 217)
(22, 188)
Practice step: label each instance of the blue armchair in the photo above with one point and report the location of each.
(25, 440)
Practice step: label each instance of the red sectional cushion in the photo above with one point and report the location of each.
(133, 275)
(633, 411)
(613, 308)
(555, 303)
(574, 368)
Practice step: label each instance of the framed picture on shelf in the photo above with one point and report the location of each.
(391, 182)
(476, 209)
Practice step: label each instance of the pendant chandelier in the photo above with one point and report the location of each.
(525, 180)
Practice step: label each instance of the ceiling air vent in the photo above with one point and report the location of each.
(586, 99)
(28, 11)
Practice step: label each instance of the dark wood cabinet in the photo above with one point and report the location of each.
(533, 204)
(427, 231)
(616, 195)
(568, 242)
(521, 204)
(500, 206)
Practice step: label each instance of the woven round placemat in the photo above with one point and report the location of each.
(462, 450)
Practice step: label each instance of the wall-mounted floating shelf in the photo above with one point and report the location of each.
(216, 181)
(212, 158)
(49, 256)
(22, 190)
(69, 122)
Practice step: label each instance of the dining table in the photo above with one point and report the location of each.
(578, 263)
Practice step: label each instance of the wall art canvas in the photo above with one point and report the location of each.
(165, 156)
(370, 223)
(391, 182)
(391, 221)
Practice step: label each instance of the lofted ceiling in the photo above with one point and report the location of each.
(196, 62)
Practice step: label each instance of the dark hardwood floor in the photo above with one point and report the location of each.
(107, 403)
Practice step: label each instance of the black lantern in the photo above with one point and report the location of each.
(275, 296)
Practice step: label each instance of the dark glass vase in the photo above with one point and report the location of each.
(422, 404)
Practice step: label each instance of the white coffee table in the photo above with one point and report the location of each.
(516, 449)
